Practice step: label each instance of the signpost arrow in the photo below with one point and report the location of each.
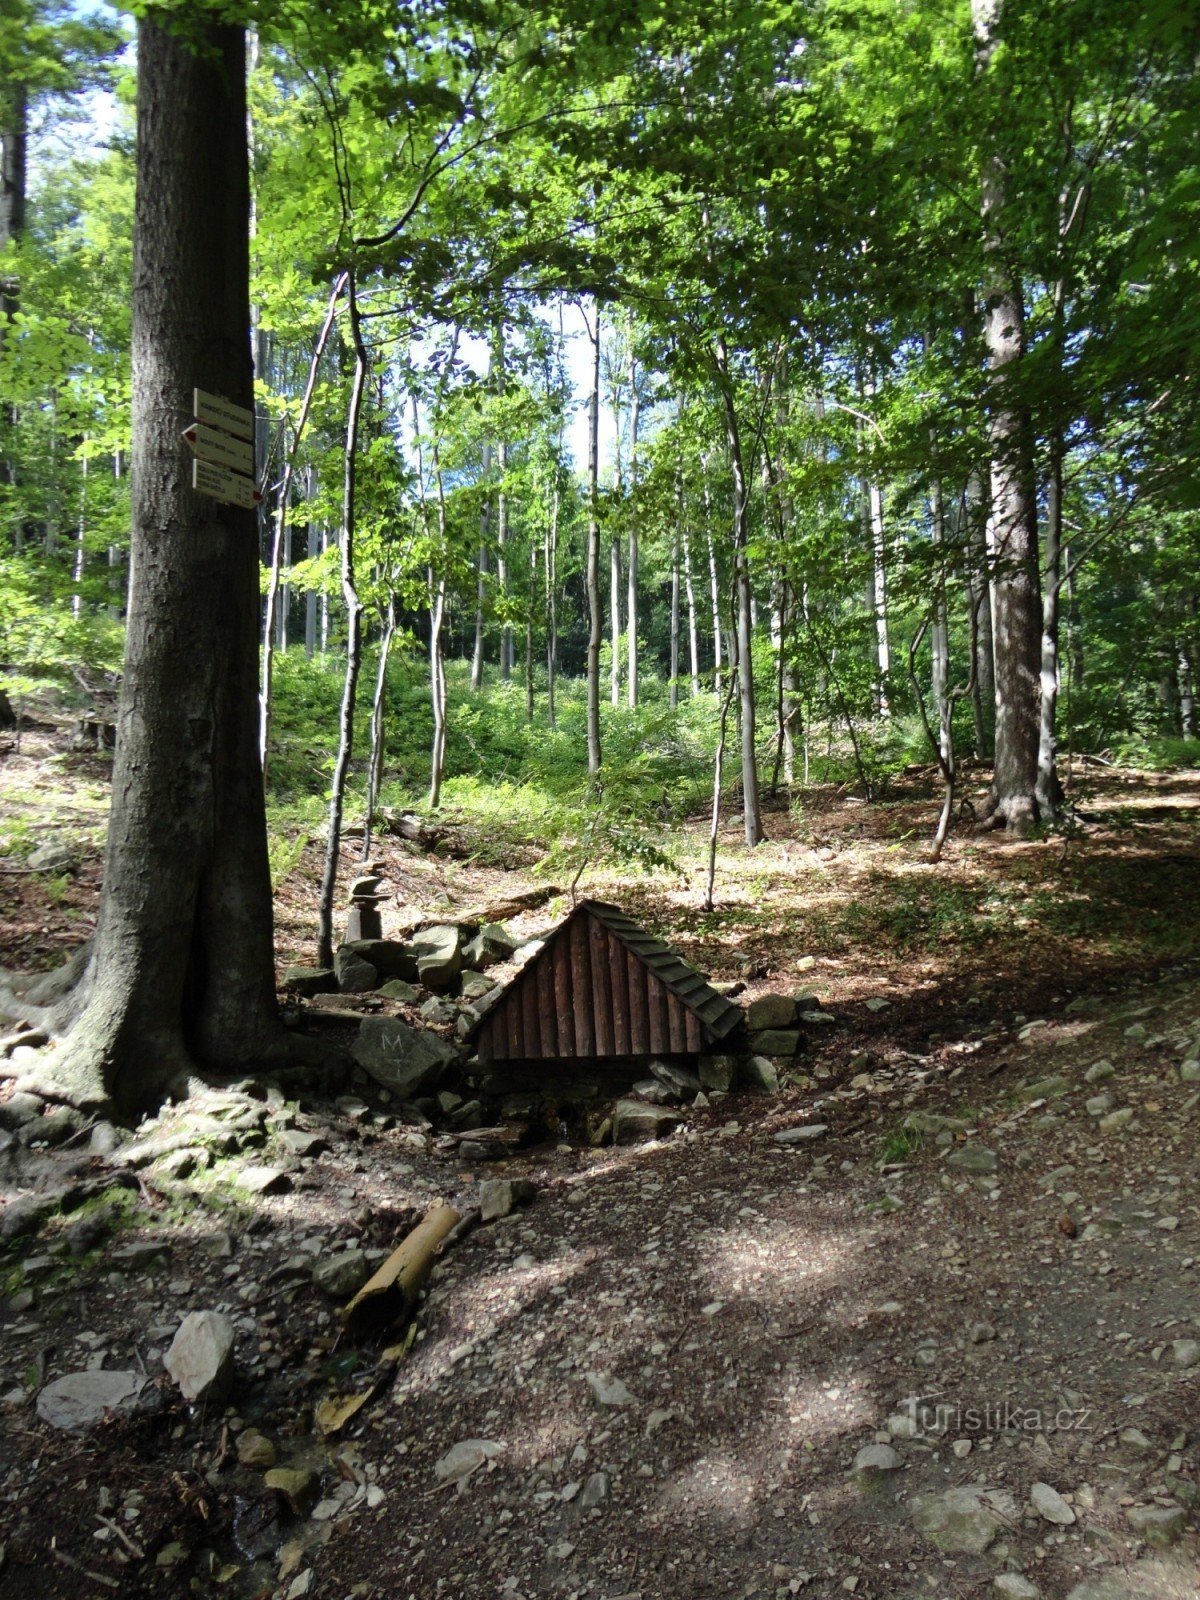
(221, 413)
(209, 444)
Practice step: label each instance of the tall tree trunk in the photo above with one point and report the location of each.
(310, 599)
(1048, 790)
(715, 590)
(614, 610)
(1012, 524)
(595, 622)
(979, 593)
(345, 750)
(378, 725)
(181, 970)
(481, 578)
(689, 586)
(14, 144)
(674, 683)
(506, 632)
(552, 596)
(631, 605)
(529, 633)
(751, 809)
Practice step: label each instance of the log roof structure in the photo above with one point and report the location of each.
(602, 988)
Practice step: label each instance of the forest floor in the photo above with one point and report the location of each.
(664, 1369)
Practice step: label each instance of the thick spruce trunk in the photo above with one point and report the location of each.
(181, 972)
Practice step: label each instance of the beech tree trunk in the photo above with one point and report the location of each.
(631, 600)
(673, 690)
(481, 578)
(181, 972)
(595, 622)
(979, 620)
(1012, 524)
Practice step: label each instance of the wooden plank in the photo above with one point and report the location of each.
(678, 1027)
(602, 1003)
(581, 989)
(660, 1029)
(620, 992)
(512, 1026)
(529, 1017)
(543, 971)
(639, 1008)
(218, 483)
(694, 1032)
(563, 1005)
(221, 413)
(499, 1039)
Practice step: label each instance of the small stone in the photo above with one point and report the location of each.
(171, 1554)
(962, 1448)
(1050, 1505)
(718, 1072)
(1185, 1353)
(264, 1180)
(635, 1121)
(342, 1275)
(200, 1359)
(595, 1491)
(802, 1135)
(464, 1458)
(756, 1072)
(398, 989)
(299, 1486)
(498, 1197)
(1015, 1586)
(877, 1003)
(770, 1011)
(608, 1391)
(354, 975)
(255, 1449)
(902, 1426)
(1189, 1072)
(300, 1585)
(301, 1144)
(79, 1400)
(1100, 1072)
(965, 1520)
(876, 1460)
(1157, 1525)
(52, 858)
(310, 981)
(775, 1042)
(1116, 1120)
(474, 986)
(676, 1078)
(19, 1109)
(973, 1158)
(981, 1333)
(1098, 1105)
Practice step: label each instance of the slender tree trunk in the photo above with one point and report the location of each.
(1012, 524)
(715, 588)
(181, 970)
(983, 678)
(310, 599)
(1048, 790)
(674, 684)
(751, 809)
(378, 719)
(506, 632)
(552, 597)
(14, 144)
(482, 575)
(529, 633)
(80, 562)
(353, 639)
(614, 608)
(595, 622)
(689, 585)
(631, 605)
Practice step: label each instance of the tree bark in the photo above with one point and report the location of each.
(983, 677)
(689, 585)
(673, 689)
(1012, 523)
(481, 578)
(595, 622)
(631, 601)
(353, 604)
(181, 972)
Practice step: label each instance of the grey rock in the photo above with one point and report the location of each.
(1185, 1353)
(180, 1164)
(405, 1061)
(1157, 1525)
(439, 955)
(771, 1011)
(23, 1216)
(299, 1486)
(53, 1128)
(354, 975)
(776, 1042)
(1189, 1072)
(498, 1197)
(963, 1521)
(264, 1180)
(973, 1158)
(756, 1072)
(298, 1142)
(141, 1255)
(718, 1072)
(802, 1135)
(474, 986)
(89, 1232)
(595, 1491)
(399, 989)
(53, 858)
(1098, 1105)
(876, 1461)
(310, 981)
(1051, 1088)
(931, 1122)
(1050, 1505)
(200, 1359)
(79, 1400)
(390, 957)
(1116, 1120)
(679, 1079)
(342, 1275)
(19, 1109)
(1100, 1072)
(635, 1121)
(981, 1333)
(491, 944)
(609, 1391)
(1015, 1586)
(254, 1449)
(654, 1092)
(106, 1139)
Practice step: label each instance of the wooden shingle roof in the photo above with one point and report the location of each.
(602, 988)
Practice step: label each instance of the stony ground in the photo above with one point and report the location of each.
(950, 1345)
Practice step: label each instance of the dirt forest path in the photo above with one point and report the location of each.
(924, 1322)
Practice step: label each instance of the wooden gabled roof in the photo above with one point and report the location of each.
(602, 988)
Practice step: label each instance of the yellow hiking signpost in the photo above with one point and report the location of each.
(222, 441)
